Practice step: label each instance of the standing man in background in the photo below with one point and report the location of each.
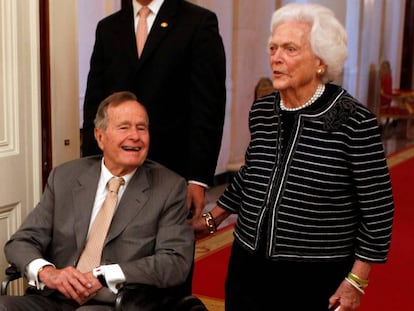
(180, 78)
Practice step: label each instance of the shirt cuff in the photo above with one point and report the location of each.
(114, 276)
(31, 272)
(198, 183)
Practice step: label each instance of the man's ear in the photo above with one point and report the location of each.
(98, 136)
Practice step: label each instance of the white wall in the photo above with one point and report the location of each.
(250, 62)
(64, 80)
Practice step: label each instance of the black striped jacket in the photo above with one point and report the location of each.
(328, 196)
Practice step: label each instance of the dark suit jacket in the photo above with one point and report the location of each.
(149, 236)
(180, 78)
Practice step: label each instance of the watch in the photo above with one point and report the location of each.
(99, 273)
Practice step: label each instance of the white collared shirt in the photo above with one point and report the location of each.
(102, 190)
(154, 6)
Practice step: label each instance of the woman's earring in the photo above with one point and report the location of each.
(319, 71)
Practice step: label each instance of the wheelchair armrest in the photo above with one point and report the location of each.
(173, 299)
(148, 296)
(121, 296)
(12, 273)
(190, 303)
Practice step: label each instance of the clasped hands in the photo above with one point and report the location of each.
(72, 283)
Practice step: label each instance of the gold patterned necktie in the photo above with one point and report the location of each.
(142, 28)
(91, 255)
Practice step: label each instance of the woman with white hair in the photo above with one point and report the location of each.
(314, 198)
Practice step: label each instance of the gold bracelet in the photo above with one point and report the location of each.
(355, 285)
(361, 282)
(210, 222)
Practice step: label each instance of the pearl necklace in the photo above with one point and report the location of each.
(315, 96)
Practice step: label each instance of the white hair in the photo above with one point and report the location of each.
(328, 37)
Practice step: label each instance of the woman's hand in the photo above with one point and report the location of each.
(348, 297)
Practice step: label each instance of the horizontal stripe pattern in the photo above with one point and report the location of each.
(328, 197)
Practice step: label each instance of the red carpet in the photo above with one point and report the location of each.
(391, 284)
(212, 271)
(212, 254)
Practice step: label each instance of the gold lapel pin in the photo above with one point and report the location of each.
(164, 24)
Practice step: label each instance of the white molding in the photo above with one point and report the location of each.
(9, 108)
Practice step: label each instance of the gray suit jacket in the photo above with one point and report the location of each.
(149, 236)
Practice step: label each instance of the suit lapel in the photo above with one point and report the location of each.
(125, 29)
(83, 197)
(132, 201)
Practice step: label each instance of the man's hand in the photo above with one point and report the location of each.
(72, 283)
(196, 195)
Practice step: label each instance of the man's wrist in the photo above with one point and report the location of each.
(198, 183)
(99, 273)
(42, 268)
